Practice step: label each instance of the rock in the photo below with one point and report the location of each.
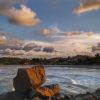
(48, 91)
(29, 78)
(87, 96)
(35, 98)
(11, 96)
(97, 93)
(28, 83)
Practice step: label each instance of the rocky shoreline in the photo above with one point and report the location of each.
(15, 96)
(28, 85)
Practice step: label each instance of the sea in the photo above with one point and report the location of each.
(71, 78)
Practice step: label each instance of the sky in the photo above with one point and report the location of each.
(49, 28)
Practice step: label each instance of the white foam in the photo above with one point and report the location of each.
(13, 89)
(73, 81)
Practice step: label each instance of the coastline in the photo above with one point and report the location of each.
(28, 86)
(12, 95)
(61, 66)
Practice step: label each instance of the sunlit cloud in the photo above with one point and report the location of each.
(23, 16)
(72, 33)
(47, 32)
(77, 43)
(25, 48)
(87, 6)
(70, 44)
(6, 4)
(2, 40)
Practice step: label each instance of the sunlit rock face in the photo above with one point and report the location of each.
(29, 78)
(49, 91)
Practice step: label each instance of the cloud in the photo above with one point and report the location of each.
(23, 16)
(2, 40)
(87, 6)
(79, 33)
(96, 48)
(52, 31)
(73, 33)
(72, 43)
(6, 4)
(14, 47)
(77, 43)
(48, 49)
(47, 32)
(32, 46)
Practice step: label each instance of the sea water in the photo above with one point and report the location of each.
(72, 79)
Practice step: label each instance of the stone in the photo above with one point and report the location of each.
(48, 91)
(87, 96)
(97, 93)
(11, 96)
(29, 78)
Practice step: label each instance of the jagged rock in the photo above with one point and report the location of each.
(48, 91)
(29, 78)
(28, 83)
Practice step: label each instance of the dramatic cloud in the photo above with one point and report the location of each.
(87, 5)
(72, 43)
(77, 43)
(32, 46)
(25, 48)
(23, 16)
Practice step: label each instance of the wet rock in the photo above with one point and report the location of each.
(49, 91)
(97, 93)
(87, 96)
(28, 83)
(35, 98)
(59, 97)
(11, 96)
(29, 78)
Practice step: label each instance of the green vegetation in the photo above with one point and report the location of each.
(75, 60)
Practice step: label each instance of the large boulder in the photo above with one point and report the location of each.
(29, 78)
